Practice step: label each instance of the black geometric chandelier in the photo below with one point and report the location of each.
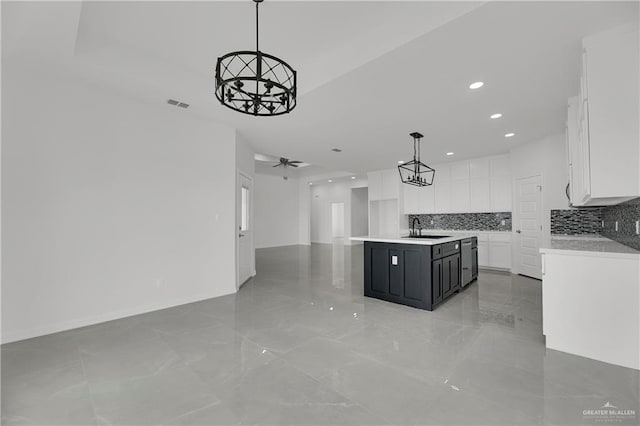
(255, 83)
(416, 172)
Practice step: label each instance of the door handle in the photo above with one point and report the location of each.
(518, 231)
(240, 235)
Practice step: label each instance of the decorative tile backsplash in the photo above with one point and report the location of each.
(577, 221)
(626, 214)
(464, 221)
(589, 221)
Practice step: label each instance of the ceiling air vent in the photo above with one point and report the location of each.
(177, 103)
(336, 150)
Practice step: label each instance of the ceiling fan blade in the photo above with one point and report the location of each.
(296, 162)
(277, 165)
(293, 165)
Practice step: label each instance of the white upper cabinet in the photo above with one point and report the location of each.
(500, 166)
(480, 196)
(460, 196)
(443, 196)
(479, 168)
(603, 129)
(500, 194)
(478, 185)
(460, 171)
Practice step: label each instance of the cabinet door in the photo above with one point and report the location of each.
(443, 197)
(479, 168)
(454, 273)
(500, 255)
(500, 166)
(426, 202)
(390, 184)
(483, 253)
(480, 196)
(375, 185)
(460, 171)
(436, 281)
(460, 196)
(501, 194)
(411, 200)
(446, 276)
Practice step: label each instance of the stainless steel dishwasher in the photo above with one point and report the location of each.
(466, 259)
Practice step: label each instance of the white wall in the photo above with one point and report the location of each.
(276, 212)
(321, 198)
(337, 220)
(546, 157)
(111, 207)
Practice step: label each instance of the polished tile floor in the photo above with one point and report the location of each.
(299, 344)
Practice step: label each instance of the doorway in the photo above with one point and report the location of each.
(528, 226)
(244, 223)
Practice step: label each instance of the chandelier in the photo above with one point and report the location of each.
(416, 172)
(255, 83)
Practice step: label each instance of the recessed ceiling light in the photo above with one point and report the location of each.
(450, 153)
(496, 115)
(310, 183)
(353, 177)
(508, 135)
(329, 181)
(476, 85)
(336, 150)
(400, 162)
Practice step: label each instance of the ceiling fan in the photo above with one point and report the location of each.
(285, 162)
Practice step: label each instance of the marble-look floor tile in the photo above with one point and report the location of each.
(153, 399)
(300, 344)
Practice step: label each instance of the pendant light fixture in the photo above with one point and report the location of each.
(255, 83)
(416, 172)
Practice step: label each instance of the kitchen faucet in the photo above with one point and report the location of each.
(413, 227)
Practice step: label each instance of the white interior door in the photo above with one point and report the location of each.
(529, 226)
(245, 228)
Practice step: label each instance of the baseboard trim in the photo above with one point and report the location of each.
(17, 335)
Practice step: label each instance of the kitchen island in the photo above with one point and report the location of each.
(418, 271)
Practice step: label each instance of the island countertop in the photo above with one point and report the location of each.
(399, 239)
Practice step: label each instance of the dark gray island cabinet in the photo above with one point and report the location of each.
(420, 273)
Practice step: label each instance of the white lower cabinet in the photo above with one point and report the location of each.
(494, 250)
(483, 254)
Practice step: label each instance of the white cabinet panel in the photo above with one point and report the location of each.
(480, 196)
(375, 185)
(479, 168)
(500, 255)
(426, 197)
(501, 194)
(443, 197)
(603, 138)
(443, 172)
(411, 199)
(483, 253)
(460, 170)
(460, 196)
(500, 166)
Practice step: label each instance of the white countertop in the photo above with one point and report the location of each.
(590, 245)
(398, 239)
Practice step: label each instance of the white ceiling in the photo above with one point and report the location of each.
(369, 72)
